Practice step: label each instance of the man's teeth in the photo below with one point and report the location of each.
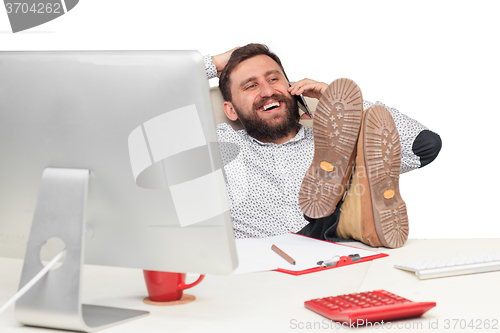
(269, 106)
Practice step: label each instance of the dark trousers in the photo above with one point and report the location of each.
(324, 228)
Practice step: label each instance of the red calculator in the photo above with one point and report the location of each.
(369, 306)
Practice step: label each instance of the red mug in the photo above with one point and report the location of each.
(167, 286)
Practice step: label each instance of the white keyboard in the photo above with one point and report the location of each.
(431, 269)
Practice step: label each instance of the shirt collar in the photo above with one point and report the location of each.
(299, 136)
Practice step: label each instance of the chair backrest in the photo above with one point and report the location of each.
(220, 116)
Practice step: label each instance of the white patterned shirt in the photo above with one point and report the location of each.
(263, 181)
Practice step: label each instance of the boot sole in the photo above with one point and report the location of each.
(336, 126)
(382, 158)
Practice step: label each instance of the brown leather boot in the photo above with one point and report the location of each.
(373, 211)
(335, 128)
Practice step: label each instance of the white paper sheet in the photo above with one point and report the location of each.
(255, 254)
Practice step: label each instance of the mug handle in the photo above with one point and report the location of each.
(184, 286)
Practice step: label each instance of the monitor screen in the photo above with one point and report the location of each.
(141, 122)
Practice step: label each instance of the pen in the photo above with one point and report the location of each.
(333, 261)
(301, 100)
(283, 254)
(329, 262)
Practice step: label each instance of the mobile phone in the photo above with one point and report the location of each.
(302, 103)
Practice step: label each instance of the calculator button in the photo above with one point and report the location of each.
(383, 306)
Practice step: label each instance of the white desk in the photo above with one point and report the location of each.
(273, 302)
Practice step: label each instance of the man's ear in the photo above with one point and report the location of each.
(229, 111)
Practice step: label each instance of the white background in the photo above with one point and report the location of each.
(436, 61)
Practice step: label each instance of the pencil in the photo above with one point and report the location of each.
(283, 254)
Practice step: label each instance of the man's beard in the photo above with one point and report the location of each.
(263, 129)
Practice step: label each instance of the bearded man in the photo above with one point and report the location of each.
(336, 181)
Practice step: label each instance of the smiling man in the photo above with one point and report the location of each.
(284, 170)
(257, 94)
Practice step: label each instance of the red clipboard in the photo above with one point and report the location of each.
(344, 261)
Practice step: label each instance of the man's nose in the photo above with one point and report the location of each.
(266, 90)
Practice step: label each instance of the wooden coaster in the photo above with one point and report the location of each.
(186, 298)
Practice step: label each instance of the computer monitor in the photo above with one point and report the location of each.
(139, 127)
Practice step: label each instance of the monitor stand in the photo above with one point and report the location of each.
(54, 301)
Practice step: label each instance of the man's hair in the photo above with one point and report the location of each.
(239, 55)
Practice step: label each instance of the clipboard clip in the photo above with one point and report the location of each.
(339, 261)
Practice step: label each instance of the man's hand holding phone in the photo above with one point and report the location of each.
(308, 88)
